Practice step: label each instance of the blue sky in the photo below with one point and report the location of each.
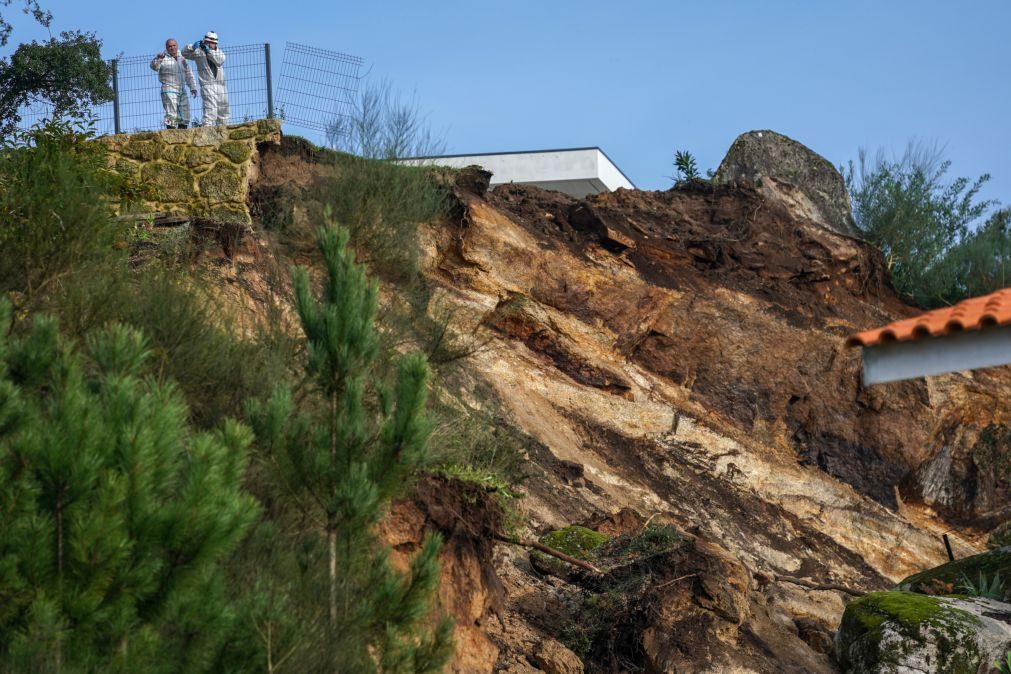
(642, 79)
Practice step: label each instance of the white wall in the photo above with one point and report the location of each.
(577, 172)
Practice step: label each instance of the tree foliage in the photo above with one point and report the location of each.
(114, 516)
(383, 124)
(935, 233)
(54, 196)
(30, 7)
(343, 455)
(67, 72)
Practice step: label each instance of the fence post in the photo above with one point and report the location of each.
(115, 95)
(270, 88)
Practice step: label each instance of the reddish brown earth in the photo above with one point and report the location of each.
(679, 355)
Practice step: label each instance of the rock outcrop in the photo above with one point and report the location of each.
(904, 632)
(792, 174)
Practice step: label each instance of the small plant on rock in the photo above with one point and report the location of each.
(992, 588)
(687, 170)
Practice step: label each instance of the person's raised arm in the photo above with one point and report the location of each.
(156, 61)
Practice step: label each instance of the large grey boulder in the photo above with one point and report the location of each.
(790, 172)
(909, 633)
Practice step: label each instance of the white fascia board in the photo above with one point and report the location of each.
(611, 175)
(529, 167)
(975, 349)
(577, 172)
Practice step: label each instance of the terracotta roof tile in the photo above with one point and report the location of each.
(972, 314)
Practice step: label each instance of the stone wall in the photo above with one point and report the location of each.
(202, 172)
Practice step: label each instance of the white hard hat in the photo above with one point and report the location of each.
(211, 35)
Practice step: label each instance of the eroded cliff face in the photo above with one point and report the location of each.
(679, 356)
(685, 348)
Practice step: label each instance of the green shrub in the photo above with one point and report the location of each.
(685, 167)
(56, 226)
(201, 344)
(381, 204)
(990, 588)
(927, 225)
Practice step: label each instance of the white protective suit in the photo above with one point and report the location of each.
(175, 77)
(211, 71)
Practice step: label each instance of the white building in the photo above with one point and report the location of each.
(577, 172)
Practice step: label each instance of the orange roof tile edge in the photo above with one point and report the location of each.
(972, 314)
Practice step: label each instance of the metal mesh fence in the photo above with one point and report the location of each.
(317, 87)
(316, 91)
(138, 93)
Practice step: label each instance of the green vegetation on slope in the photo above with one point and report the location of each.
(115, 516)
(942, 242)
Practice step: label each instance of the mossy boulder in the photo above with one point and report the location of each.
(573, 540)
(236, 151)
(947, 578)
(222, 183)
(171, 183)
(894, 632)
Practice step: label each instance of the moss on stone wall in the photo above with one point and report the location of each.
(201, 171)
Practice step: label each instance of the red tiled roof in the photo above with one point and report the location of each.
(972, 314)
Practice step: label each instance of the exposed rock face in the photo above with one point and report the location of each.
(679, 355)
(968, 478)
(554, 658)
(469, 590)
(789, 172)
(905, 633)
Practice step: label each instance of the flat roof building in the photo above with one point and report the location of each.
(577, 172)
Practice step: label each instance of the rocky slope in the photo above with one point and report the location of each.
(677, 358)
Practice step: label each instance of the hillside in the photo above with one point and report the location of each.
(677, 358)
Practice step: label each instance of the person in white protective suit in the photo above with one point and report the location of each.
(175, 76)
(211, 71)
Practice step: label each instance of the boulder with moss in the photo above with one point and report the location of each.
(898, 632)
(574, 540)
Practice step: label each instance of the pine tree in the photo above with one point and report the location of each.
(343, 458)
(114, 516)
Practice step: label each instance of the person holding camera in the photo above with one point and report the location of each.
(210, 70)
(175, 75)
